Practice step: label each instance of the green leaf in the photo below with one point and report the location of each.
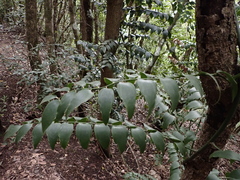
(168, 119)
(148, 128)
(64, 103)
(213, 175)
(105, 100)
(171, 87)
(22, 132)
(127, 93)
(189, 136)
(181, 148)
(175, 136)
(48, 98)
(102, 133)
(192, 115)
(227, 154)
(195, 82)
(194, 105)
(37, 134)
(139, 137)
(81, 97)
(193, 96)
(84, 133)
(160, 105)
(158, 140)
(120, 134)
(148, 89)
(129, 125)
(49, 114)
(52, 134)
(65, 134)
(234, 175)
(11, 131)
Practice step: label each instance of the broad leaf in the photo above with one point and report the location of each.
(65, 134)
(227, 154)
(181, 148)
(37, 135)
(168, 119)
(234, 175)
(189, 136)
(139, 137)
(129, 125)
(84, 133)
(158, 140)
(193, 96)
(52, 134)
(160, 105)
(64, 103)
(105, 100)
(213, 175)
(22, 132)
(148, 128)
(171, 87)
(127, 93)
(49, 114)
(11, 131)
(192, 115)
(81, 97)
(48, 98)
(148, 89)
(102, 133)
(175, 136)
(194, 105)
(196, 83)
(120, 134)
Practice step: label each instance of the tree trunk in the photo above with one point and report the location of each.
(216, 46)
(49, 29)
(86, 24)
(113, 22)
(32, 33)
(72, 14)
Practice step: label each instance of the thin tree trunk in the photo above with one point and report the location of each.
(32, 38)
(96, 26)
(72, 13)
(49, 32)
(32, 33)
(86, 24)
(216, 46)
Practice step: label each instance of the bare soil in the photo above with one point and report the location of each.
(22, 161)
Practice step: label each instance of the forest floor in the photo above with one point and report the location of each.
(22, 161)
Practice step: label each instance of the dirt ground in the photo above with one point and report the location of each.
(21, 161)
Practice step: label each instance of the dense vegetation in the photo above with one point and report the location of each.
(92, 77)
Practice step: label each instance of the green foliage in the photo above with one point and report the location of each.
(128, 98)
(105, 100)
(227, 154)
(84, 133)
(148, 89)
(59, 122)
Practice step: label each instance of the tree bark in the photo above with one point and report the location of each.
(86, 24)
(216, 47)
(49, 32)
(32, 33)
(113, 22)
(72, 14)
